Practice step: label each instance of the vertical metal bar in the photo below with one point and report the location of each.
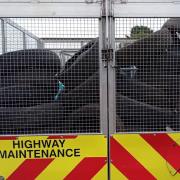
(103, 77)
(111, 83)
(1, 36)
(63, 60)
(108, 122)
(111, 89)
(82, 43)
(108, 42)
(4, 45)
(111, 77)
(24, 41)
(104, 81)
(40, 45)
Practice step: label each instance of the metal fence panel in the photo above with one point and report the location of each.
(147, 74)
(14, 38)
(40, 94)
(0, 37)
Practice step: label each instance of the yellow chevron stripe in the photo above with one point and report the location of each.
(102, 174)
(146, 155)
(116, 174)
(175, 137)
(8, 166)
(59, 168)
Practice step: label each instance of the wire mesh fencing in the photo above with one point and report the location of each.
(41, 92)
(49, 80)
(147, 74)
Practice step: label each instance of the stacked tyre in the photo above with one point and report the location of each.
(27, 82)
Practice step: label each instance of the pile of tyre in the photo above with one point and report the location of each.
(147, 100)
(28, 86)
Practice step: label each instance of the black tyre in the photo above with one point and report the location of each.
(142, 92)
(86, 93)
(138, 116)
(86, 119)
(148, 55)
(83, 67)
(32, 119)
(26, 96)
(173, 25)
(81, 51)
(28, 66)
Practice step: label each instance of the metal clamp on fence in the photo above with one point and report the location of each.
(107, 55)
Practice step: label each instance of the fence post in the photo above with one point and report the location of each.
(4, 45)
(107, 74)
(103, 77)
(111, 72)
(24, 41)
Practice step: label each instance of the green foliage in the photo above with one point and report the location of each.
(138, 32)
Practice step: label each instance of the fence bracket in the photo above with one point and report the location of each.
(107, 55)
